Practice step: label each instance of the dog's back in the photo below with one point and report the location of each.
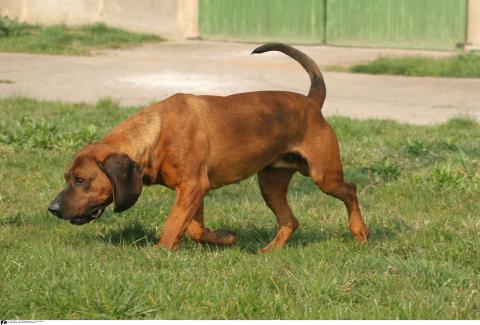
(242, 133)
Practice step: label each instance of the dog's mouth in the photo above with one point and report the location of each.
(86, 219)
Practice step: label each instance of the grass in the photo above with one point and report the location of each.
(465, 65)
(418, 188)
(62, 39)
(6, 81)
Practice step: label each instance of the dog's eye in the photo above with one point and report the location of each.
(78, 180)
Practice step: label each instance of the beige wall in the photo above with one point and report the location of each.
(168, 18)
(187, 18)
(473, 30)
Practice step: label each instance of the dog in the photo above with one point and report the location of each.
(194, 144)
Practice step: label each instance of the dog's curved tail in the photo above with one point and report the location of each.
(318, 90)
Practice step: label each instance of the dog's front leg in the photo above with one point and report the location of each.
(187, 202)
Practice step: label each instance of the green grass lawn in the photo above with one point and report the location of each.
(465, 65)
(61, 39)
(418, 187)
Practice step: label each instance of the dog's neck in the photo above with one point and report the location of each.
(136, 136)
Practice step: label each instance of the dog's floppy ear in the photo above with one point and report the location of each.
(126, 178)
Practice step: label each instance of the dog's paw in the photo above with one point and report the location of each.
(361, 236)
(269, 248)
(224, 237)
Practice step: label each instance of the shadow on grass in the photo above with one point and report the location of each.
(253, 239)
(249, 240)
(13, 220)
(134, 234)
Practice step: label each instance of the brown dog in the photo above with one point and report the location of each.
(194, 144)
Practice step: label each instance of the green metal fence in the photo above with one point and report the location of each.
(435, 24)
(297, 21)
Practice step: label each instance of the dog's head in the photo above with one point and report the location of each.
(97, 177)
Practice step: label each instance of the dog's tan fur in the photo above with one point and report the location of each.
(194, 144)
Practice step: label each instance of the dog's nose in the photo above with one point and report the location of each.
(54, 208)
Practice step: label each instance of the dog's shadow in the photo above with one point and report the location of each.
(252, 239)
(134, 234)
(249, 240)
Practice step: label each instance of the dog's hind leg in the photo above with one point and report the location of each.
(274, 185)
(197, 232)
(322, 153)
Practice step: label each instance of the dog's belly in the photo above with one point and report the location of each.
(231, 166)
(233, 172)
(219, 177)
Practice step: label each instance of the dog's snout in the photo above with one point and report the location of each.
(54, 208)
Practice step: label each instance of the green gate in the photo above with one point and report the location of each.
(300, 21)
(434, 24)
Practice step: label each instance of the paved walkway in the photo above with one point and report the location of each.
(152, 72)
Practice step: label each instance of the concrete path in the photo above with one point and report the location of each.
(152, 72)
